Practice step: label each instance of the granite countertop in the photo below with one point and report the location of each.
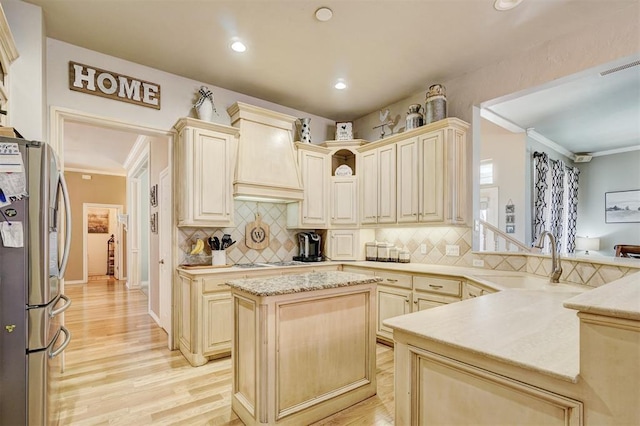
(525, 328)
(310, 281)
(620, 299)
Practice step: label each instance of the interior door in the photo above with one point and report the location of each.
(164, 237)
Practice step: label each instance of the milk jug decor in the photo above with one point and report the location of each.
(205, 106)
(414, 117)
(305, 130)
(436, 104)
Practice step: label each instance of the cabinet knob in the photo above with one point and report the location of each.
(406, 300)
(415, 301)
(161, 261)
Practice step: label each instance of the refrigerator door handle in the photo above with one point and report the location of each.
(67, 237)
(62, 308)
(63, 346)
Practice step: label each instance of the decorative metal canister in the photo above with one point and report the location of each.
(305, 129)
(414, 117)
(435, 104)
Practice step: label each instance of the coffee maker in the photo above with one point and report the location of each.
(309, 243)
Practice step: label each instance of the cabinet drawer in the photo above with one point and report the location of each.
(396, 279)
(358, 270)
(451, 287)
(471, 291)
(213, 284)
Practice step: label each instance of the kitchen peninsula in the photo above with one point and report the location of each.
(303, 345)
(522, 357)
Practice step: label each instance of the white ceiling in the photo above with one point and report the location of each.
(385, 50)
(91, 148)
(589, 113)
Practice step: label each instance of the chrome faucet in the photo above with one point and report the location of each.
(555, 256)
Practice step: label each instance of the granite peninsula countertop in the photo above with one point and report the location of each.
(296, 283)
(526, 328)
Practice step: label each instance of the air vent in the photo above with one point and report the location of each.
(620, 68)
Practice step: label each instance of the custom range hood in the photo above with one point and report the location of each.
(266, 169)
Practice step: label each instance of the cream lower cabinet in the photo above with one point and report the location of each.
(431, 291)
(392, 302)
(205, 163)
(401, 293)
(472, 290)
(434, 389)
(217, 327)
(205, 317)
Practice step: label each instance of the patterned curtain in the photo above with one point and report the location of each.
(572, 207)
(557, 198)
(541, 167)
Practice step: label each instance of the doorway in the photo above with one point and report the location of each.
(102, 234)
(134, 222)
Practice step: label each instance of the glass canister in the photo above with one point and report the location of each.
(393, 254)
(383, 252)
(435, 104)
(404, 256)
(371, 251)
(414, 117)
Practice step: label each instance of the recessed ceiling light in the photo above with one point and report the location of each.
(503, 5)
(340, 85)
(238, 46)
(324, 14)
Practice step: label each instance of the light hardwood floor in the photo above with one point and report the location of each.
(120, 372)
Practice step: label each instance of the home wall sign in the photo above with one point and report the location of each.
(109, 84)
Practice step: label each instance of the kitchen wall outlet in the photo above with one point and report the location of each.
(478, 262)
(423, 249)
(452, 250)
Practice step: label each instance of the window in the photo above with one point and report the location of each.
(486, 172)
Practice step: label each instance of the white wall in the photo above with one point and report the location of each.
(619, 172)
(616, 36)
(507, 150)
(27, 94)
(178, 94)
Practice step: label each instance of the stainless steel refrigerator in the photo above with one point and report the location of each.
(31, 335)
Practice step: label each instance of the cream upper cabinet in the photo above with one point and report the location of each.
(344, 200)
(407, 152)
(205, 163)
(312, 211)
(417, 176)
(378, 185)
(369, 185)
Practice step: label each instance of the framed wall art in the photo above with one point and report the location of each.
(622, 206)
(344, 131)
(153, 222)
(153, 195)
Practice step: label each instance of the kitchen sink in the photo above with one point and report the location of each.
(532, 283)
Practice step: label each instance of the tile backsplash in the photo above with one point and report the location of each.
(283, 243)
(436, 239)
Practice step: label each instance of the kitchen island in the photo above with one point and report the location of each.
(303, 346)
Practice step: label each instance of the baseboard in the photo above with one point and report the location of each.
(155, 317)
(74, 282)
